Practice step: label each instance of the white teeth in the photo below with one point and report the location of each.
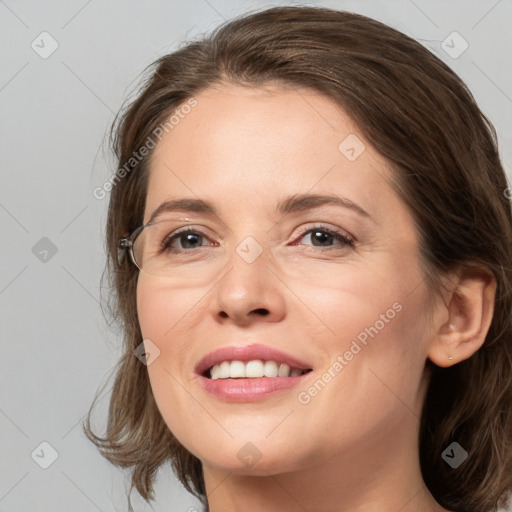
(236, 369)
(270, 369)
(252, 369)
(224, 368)
(215, 372)
(284, 371)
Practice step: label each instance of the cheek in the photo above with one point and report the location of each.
(369, 330)
(382, 357)
(151, 309)
(163, 308)
(162, 314)
(357, 301)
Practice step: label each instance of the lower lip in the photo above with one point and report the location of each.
(249, 390)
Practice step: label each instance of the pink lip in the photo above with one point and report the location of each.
(248, 353)
(248, 390)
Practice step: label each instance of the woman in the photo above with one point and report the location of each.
(316, 307)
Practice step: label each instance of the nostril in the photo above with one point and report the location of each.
(258, 311)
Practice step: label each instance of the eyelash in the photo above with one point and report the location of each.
(344, 237)
(341, 235)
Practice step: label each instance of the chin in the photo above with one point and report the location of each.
(250, 458)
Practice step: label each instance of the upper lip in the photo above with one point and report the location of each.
(248, 353)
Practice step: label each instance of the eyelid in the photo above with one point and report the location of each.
(186, 229)
(346, 237)
(321, 225)
(324, 227)
(189, 226)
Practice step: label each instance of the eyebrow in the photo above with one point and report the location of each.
(294, 203)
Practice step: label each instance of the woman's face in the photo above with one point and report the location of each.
(281, 274)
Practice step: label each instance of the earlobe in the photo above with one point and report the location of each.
(470, 309)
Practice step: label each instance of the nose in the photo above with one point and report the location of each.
(248, 293)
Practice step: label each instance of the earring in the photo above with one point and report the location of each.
(451, 327)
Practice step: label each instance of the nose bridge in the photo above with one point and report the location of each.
(249, 289)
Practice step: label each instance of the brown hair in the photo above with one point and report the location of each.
(418, 114)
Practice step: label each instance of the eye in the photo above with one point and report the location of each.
(318, 236)
(322, 236)
(186, 239)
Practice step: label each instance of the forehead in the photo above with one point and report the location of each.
(260, 143)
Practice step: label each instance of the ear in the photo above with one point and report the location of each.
(466, 318)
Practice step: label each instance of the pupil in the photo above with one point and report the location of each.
(323, 237)
(189, 238)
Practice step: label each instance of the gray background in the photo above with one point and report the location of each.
(55, 111)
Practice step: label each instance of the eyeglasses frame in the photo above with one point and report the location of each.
(127, 244)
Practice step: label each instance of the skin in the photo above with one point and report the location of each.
(353, 446)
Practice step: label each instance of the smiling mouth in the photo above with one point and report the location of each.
(252, 369)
